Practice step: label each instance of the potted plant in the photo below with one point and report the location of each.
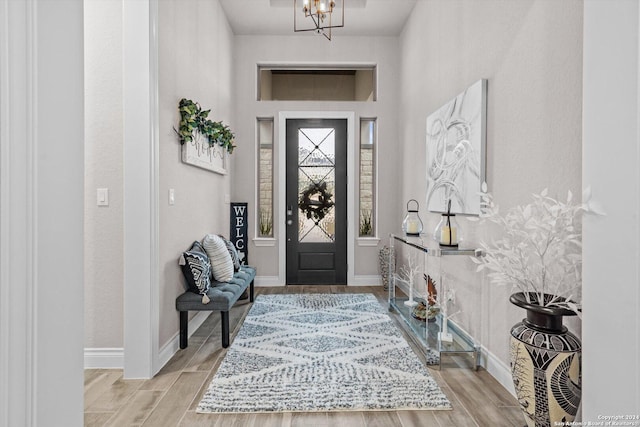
(366, 225)
(193, 118)
(266, 223)
(540, 254)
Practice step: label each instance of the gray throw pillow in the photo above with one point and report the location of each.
(235, 259)
(196, 268)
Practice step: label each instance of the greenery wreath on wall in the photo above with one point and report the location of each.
(192, 118)
(315, 201)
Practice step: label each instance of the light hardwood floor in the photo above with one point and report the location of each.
(170, 398)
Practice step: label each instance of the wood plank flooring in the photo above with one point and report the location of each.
(170, 398)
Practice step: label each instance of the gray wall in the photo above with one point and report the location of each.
(530, 52)
(195, 62)
(250, 51)
(103, 239)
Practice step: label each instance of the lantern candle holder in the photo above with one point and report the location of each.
(412, 224)
(447, 233)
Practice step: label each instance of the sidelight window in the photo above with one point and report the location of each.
(367, 178)
(265, 177)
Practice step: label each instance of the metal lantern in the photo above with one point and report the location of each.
(448, 233)
(412, 224)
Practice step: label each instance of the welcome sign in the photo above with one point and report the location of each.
(238, 234)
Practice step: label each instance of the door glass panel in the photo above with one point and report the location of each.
(316, 185)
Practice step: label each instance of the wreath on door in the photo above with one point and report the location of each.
(315, 201)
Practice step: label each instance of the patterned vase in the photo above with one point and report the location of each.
(546, 362)
(386, 263)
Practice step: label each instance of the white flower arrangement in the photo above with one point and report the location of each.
(540, 252)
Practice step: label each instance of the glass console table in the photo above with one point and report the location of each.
(427, 331)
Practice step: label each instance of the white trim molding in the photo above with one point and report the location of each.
(264, 242)
(41, 175)
(280, 155)
(368, 241)
(611, 129)
(367, 280)
(154, 193)
(498, 369)
(113, 358)
(104, 358)
(268, 281)
(173, 345)
(141, 200)
(17, 206)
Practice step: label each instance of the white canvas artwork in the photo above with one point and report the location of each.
(456, 152)
(199, 153)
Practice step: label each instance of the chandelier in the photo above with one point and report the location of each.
(316, 15)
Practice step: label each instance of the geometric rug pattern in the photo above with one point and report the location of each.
(320, 352)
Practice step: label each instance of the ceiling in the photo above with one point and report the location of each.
(275, 17)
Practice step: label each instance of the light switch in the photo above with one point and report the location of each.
(172, 197)
(103, 196)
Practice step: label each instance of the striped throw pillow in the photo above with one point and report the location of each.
(221, 264)
(235, 259)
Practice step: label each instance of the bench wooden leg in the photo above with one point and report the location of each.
(184, 325)
(251, 291)
(225, 328)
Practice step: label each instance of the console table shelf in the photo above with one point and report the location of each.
(427, 331)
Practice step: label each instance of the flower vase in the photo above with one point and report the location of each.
(546, 363)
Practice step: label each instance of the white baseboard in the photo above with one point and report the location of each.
(267, 281)
(370, 280)
(498, 369)
(271, 281)
(103, 358)
(173, 345)
(113, 358)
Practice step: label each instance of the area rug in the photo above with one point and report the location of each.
(320, 352)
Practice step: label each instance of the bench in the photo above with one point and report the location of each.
(222, 296)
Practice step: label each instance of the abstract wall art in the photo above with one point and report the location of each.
(456, 139)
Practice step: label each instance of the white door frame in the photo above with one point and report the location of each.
(282, 174)
(41, 212)
(141, 178)
(610, 129)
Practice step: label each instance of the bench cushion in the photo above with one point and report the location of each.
(222, 295)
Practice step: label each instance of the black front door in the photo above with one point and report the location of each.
(316, 205)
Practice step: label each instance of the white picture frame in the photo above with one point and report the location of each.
(456, 147)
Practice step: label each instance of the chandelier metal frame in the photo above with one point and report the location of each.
(320, 12)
